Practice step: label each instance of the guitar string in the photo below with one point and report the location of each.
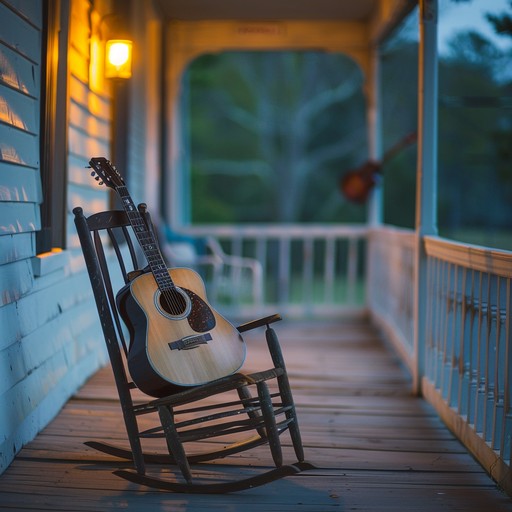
(175, 302)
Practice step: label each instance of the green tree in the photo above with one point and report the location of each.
(399, 106)
(474, 197)
(502, 22)
(271, 133)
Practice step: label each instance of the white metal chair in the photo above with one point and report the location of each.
(229, 278)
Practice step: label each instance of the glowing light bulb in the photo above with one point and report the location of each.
(118, 54)
(119, 59)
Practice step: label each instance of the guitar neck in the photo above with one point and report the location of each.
(396, 148)
(147, 241)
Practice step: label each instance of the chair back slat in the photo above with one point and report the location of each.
(131, 248)
(96, 277)
(109, 252)
(107, 280)
(115, 244)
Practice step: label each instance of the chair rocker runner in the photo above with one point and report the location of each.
(211, 414)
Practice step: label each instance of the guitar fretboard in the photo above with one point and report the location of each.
(147, 242)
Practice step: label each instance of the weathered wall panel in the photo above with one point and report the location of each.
(19, 110)
(51, 338)
(22, 33)
(17, 72)
(16, 280)
(19, 183)
(16, 247)
(18, 147)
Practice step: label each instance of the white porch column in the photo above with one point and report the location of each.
(426, 191)
(374, 133)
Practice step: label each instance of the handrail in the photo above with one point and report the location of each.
(468, 310)
(474, 257)
(390, 286)
(467, 348)
(308, 269)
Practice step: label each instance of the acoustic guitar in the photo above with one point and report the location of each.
(357, 184)
(176, 338)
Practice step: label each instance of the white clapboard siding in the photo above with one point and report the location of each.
(15, 247)
(19, 147)
(60, 334)
(16, 280)
(19, 183)
(51, 340)
(56, 345)
(96, 104)
(20, 196)
(19, 110)
(36, 399)
(19, 217)
(21, 32)
(10, 329)
(16, 72)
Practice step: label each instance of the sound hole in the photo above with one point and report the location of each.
(174, 302)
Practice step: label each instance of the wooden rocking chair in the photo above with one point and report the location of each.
(260, 404)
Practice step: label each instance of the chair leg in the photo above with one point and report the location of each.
(285, 391)
(245, 394)
(133, 437)
(291, 414)
(270, 423)
(173, 442)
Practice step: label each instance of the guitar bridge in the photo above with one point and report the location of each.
(190, 342)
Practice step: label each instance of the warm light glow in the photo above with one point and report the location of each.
(118, 54)
(119, 59)
(96, 64)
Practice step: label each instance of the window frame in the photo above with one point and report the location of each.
(53, 125)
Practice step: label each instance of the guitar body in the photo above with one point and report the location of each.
(176, 338)
(184, 344)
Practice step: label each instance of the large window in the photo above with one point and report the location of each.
(475, 121)
(270, 134)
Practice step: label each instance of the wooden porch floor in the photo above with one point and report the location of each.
(375, 446)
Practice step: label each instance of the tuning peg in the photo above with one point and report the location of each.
(101, 182)
(93, 173)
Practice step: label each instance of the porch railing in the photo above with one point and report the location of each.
(468, 365)
(467, 372)
(466, 349)
(308, 270)
(390, 287)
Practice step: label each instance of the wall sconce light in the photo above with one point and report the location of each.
(118, 62)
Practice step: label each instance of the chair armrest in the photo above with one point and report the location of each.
(259, 323)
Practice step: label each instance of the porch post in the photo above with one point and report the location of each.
(374, 132)
(426, 188)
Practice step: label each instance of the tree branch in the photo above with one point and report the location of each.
(235, 168)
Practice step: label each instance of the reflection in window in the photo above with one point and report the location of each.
(399, 111)
(475, 123)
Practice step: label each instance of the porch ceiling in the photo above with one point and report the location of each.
(349, 10)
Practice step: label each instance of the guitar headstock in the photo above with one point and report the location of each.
(106, 172)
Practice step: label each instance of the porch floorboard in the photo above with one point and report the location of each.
(376, 447)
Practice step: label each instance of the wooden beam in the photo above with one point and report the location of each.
(426, 218)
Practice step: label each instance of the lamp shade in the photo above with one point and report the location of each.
(118, 62)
